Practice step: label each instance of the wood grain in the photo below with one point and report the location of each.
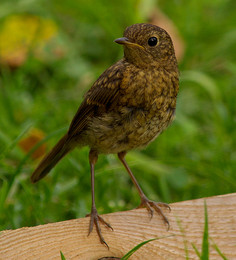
(130, 228)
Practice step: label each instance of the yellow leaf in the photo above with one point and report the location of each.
(21, 34)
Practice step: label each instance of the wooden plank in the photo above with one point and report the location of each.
(131, 228)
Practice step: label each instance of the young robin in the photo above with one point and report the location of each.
(126, 108)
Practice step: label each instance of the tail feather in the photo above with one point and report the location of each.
(51, 159)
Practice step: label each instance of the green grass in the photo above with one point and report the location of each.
(204, 255)
(193, 158)
(62, 256)
(133, 250)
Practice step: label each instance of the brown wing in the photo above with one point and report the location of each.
(100, 97)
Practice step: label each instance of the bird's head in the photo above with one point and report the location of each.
(147, 45)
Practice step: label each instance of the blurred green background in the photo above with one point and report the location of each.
(52, 51)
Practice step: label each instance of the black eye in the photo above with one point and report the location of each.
(152, 41)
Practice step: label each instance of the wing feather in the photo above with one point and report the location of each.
(102, 95)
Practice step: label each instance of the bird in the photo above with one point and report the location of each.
(125, 109)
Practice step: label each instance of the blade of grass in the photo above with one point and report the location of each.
(62, 256)
(205, 81)
(196, 250)
(15, 141)
(147, 163)
(6, 100)
(218, 250)
(184, 237)
(133, 250)
(205, 242)
(3, 194)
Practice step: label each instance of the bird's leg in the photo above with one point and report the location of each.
(145, 202)
(94, 217)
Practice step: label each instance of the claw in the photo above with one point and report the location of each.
(105, 223)
(149, 204)
(94, 219)
(164, 205)
(149, 209)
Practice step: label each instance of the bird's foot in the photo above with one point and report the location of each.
(94, 220)
(150, 205)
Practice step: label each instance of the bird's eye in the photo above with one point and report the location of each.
(152, 41)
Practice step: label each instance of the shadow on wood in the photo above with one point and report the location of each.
(131, 228)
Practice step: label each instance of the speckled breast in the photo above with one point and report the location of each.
(146, 106)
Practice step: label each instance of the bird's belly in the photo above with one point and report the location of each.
(114, 133)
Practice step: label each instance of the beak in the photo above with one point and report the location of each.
(122, 40)
(127, 42)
